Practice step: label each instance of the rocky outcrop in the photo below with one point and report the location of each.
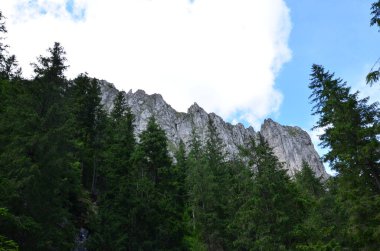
(291, 145)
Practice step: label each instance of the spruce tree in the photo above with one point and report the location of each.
(351, 128)
(216, 210)
(307, 181)
(267, 219)
(112, 228)
(38, 158)
(198, 179)
(209, 182)
(88, 122)
(155, 216)
(316, 231)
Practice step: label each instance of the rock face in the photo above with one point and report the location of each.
(291, 145)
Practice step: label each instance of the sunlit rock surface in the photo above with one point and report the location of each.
(291, 145)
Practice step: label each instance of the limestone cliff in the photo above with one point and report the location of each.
(291, 145)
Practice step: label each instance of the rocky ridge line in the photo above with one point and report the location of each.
(291, 145)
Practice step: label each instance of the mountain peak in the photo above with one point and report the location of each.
(195, 108)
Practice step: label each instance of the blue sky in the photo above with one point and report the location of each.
(244, 60)
(335, 34)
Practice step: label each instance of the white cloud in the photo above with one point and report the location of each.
(222, 54)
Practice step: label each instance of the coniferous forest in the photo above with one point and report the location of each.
(69, 170)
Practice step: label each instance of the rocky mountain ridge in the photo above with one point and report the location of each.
(291, 145)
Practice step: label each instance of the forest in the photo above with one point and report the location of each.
(74, 176)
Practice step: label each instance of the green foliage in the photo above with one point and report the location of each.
(51, 68)
(374, 74)
(209, 182)
(5, 243)
(37, 163)
(88, 124)
(115, 190)
(317, 230)
(144, 207)
(267, 218)
(308, 183)
(8, 65)
(375, 12)
(351, 129)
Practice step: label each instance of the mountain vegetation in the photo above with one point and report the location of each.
(67, 164)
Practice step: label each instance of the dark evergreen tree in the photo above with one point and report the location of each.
(38, 159)
(14, 163)
(267, 219)
(88, 126)
(155, 216)
(308, 183)
(112, 228)
(209, 182)
(317, 230)
(179, 172)
(351, 128)
(198, 179)
(216, 210)
(9, 68)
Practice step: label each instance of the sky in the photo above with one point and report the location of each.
(245, 60)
